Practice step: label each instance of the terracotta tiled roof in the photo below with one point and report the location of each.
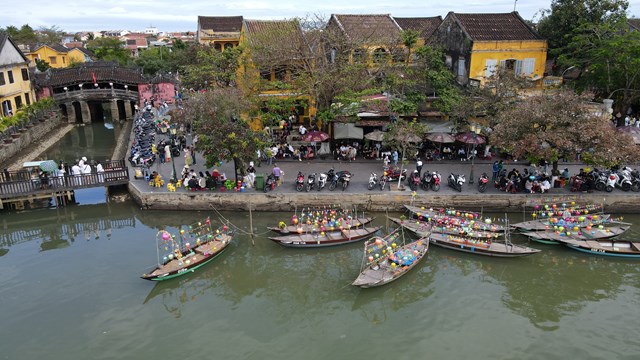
(276, 31)
(103, 71)
(57, 47)
(369, 29)
(73, 45)
(495, 27)
(220, 23)
(423, 25)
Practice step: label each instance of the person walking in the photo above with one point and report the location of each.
(251, 174)
(495, 170)
(395, 157)
(100, 171)
(419, 167)
(277, 173)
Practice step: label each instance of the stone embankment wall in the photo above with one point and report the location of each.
(30, 136)
(392, 201)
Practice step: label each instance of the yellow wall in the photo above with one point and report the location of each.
(19, 87)
(505, 50)
(45, 53)
(75, 55)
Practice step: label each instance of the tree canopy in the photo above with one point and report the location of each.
(109, 49)
(560, 124)
(216, 117)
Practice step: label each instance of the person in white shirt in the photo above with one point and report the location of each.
(86, 169)
(100, 171)
(77, 173)
(302, 130)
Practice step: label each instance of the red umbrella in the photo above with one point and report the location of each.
(470, 138)
(315, 136)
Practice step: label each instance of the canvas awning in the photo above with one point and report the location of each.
(347, 131)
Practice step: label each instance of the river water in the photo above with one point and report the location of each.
(95, 141)
(70, 289)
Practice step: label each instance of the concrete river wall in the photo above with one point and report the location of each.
(370, 201)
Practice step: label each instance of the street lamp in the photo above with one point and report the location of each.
(475, 131)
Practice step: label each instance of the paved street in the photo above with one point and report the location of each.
(361, 169)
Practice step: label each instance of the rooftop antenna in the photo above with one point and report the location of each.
(514, 4)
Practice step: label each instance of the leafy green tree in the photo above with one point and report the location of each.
(409, 40)
(223, 135)
(42, 65)
(404, 136)
(109, 49)
(211, 68)
(560, 124)
(566, 17)
(155, 60)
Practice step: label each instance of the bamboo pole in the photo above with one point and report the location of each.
(253, 243)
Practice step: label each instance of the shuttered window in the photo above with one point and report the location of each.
(490, 68)
(529, 65)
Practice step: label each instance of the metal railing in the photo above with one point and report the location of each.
(25, 182)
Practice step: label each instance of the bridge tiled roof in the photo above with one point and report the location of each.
(104, 72)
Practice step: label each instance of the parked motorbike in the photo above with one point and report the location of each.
(373, 180)
(270, 183)
(455, 181)
(311, 181)
(322, 180)
(393, 173)
(482, 182)
(384, 179)
(623, 180)
(414, 180)
(430, 180)
(344, 177)
(300, 181)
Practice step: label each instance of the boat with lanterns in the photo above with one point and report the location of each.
(314, 220)
(558, 235)
(444, 217)
(581, 221)
(388, 258)
(322, 238)
(191, 249)
(489, 243)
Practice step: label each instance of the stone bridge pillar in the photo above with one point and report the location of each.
(127, 109)
(115, 113)
(86, 112)
(71, 113)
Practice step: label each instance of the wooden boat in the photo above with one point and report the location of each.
(555, 237)
(455, 217)
(579, 221)
(307, 228)
(385, 261)
(424, 227)
(605, 247)
(328, 238)
(475, 245)
(183, 259)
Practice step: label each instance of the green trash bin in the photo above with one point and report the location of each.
(259, 182)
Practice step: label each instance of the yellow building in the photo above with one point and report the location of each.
(221, 32)
(15, 85)
(273, 78)
(79, 55)
(478, 45)
(55, 55)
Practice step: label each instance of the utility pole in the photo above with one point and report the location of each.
(514, 4)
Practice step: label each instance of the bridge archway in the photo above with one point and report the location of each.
(77, 111)
(63, 111)
(121, 113)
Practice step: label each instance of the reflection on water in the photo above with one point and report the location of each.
(264, 301)
(94, 141)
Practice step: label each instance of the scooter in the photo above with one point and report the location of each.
(269, 183)
(384, 179)
(455, 181)
(322, 181)
(344, 177)
(414, 180)
(482, 182)
(311, 181)
(300, 181)
(373, 180)
(394, 173)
